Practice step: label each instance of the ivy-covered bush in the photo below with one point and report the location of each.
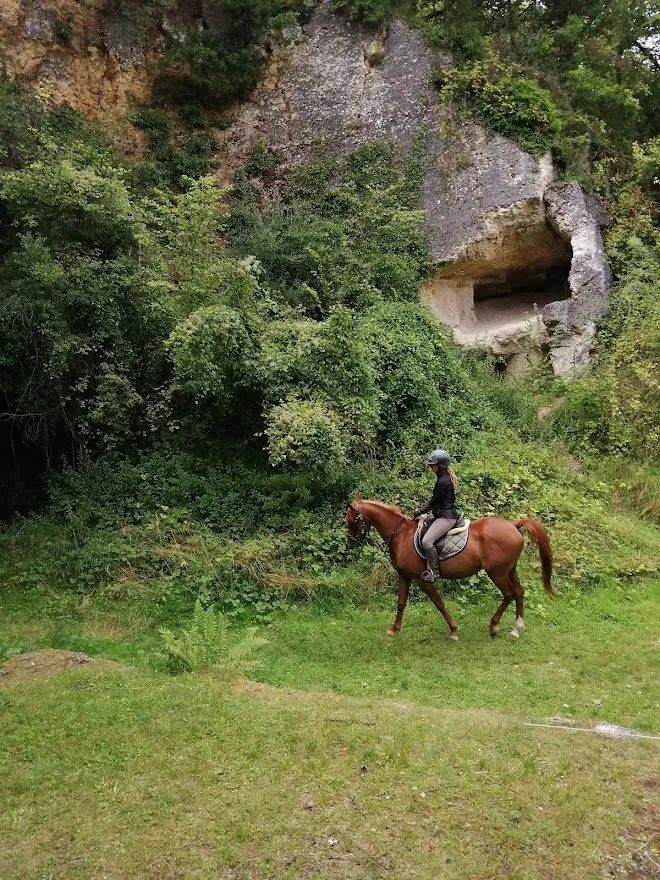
(215, 66)
(580, 78)
(371, 13)
(613, 409)
(498, 96)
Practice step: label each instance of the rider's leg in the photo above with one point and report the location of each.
(435, 531)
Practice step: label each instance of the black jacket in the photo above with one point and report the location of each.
(443, 500)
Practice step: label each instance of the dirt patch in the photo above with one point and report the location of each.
(38, 664)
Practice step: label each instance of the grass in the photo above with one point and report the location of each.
(589, 656)
(352, 756)
(123, 773)
(592, 657)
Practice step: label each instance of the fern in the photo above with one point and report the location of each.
(207, 643)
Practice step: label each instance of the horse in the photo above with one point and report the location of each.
(493, 545)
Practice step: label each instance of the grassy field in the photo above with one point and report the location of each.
(349, 755)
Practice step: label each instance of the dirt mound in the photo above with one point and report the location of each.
(37, 664)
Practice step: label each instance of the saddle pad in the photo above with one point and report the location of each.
(449, 545)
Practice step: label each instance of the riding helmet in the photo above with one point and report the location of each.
(438, 456)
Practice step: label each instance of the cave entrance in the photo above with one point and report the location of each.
(493, 297)
(512, 301)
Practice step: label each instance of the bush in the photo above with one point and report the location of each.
(614, 407)
(211, 350)
(216, 66)
(372, 13)
(497, 95)
(189, 158)
(307, 434)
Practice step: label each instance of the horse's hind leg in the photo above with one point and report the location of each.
(518, 591)
(435, 597)
(501, 581)
(404, 590)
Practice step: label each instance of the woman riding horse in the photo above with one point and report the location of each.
(494, 545)
(442, 507)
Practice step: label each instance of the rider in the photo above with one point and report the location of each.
(443, 507)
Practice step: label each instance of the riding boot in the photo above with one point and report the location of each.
(432, 573)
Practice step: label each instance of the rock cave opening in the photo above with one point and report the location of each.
(511, 301)
(493, 297)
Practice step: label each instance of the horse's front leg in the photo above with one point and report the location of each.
(404, 590)
(436, 597)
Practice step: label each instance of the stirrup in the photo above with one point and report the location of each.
(429, 576)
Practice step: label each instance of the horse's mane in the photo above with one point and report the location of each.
(386, 506)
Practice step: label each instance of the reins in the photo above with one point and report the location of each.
(388, 541)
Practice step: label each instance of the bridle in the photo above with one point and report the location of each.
(364, 525)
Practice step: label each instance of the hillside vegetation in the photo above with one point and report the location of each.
(194, 382)
(190, 367)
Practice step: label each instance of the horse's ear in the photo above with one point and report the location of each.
(357, 495)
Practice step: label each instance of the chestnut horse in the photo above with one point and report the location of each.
(494, 545)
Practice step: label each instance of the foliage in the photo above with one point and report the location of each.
(207, 643)
(210, 351)
(224, 370)
(614, 408)
(190, 157)
(579, 78)
(372, 13)
(137, 14)
(215, 66)
(301, 432)
(502, 99)
(340, 233)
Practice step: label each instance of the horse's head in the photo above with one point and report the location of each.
(358, 525)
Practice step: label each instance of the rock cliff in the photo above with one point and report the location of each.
(520, 265)
(73, 51)
(520, 261)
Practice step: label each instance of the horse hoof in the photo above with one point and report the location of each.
(453, 637)
(518, 627)
(391, 632)
(494, 632)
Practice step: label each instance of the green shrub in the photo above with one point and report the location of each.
(72, 199)
(305, 433)
(578, 78)
(190, 157)
(614, 407)
(211, 351)
(213, 67)
(372, 13)
(497, 95)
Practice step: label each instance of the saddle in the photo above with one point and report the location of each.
(450, 544)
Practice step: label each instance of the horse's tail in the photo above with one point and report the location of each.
(536, 531)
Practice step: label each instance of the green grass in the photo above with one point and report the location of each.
(122, 773)
(411, 753)
(590, 656)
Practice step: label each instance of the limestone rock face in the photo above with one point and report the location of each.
(520, 262)
(73, 51)
(578, 218)
(328, 90)
(521, 265)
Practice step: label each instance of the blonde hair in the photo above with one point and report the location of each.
(452, 475)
